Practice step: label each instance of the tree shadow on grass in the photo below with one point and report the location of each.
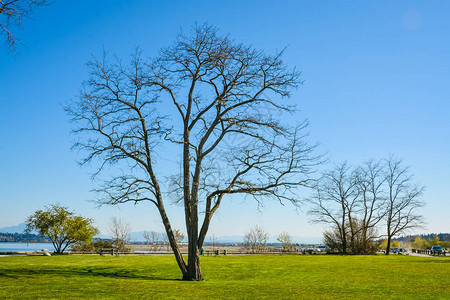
(82, 271)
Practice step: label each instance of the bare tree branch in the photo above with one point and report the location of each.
(12, 13)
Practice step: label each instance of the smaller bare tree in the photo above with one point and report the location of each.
(12, 13)
(120, 232)
(255, 239)
(147, 239)
(286, 241)
(357, 202)
(213, 241)
(165, 241)
(155, 240)
(152, 240)
(179, 236)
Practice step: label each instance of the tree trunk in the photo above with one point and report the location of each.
(57, 246)
(344, 245)
(352, 234)
(344, 231)
(194, 271)
(173, 242)
(365, 242)
(388, 248)
(389, 232)
(344, 239)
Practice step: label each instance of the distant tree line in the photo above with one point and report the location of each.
(443, 237)
(426, 241)
(23, 237)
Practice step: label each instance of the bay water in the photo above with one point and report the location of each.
(24, 247)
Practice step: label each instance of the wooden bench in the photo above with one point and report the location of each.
(215, 252)
(104, 251)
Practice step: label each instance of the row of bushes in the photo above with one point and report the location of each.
(96, 245)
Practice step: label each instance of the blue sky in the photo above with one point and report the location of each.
(376, 82)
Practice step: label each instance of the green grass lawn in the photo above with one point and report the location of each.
(245, 277)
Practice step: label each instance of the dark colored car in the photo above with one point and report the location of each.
(394, 250)
(437, 249)
(403, 251)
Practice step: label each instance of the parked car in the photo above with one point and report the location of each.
(403, 251)
(321, 248)
(397, 250)
(394, 250)
(437, 249)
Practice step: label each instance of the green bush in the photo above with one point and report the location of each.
(93, 247)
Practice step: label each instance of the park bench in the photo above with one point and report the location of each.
(106, 251)
(215, 252)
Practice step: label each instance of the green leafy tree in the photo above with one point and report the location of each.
(446, 244)
(394, 243)
(61, 226)
(435, 241)
(420, 243)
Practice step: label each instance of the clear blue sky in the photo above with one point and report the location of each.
(376, 77)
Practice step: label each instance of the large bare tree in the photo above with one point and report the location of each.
(335, 200)
(217, 103)
(403, 200)
(371, 210)
(358, 202)
(12, 13)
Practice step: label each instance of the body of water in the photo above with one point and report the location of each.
(25, 247)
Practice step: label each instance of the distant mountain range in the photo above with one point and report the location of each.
(14, 229)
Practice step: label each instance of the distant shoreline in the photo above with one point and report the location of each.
(33, 242)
